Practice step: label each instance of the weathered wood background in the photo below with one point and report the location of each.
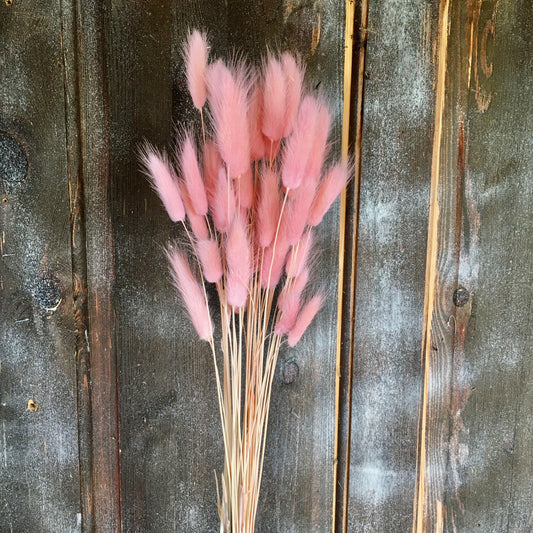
(415, 413)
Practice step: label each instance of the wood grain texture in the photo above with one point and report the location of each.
(395, 177)
(479, 426)
(39, 478)
(170, 437)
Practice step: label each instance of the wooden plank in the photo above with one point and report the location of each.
(479, 423)
(170, 436)
(396, 168)
(39, 478)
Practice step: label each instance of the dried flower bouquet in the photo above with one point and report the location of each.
(249, 197)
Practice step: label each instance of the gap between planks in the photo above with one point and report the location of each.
(354, 69)
(431, 267)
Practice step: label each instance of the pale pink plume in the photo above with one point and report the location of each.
(297, 211)
(192, 294)
(255, 119)
(299, 145)
(330, 187)
(319, 148)
(274, 97)
(223, 208)
(273, 262)
(289, 307)
(196, 55)
(197, 222)
(164, 181)
(298, 258)
(192, 176)
(244, 189)
(209, 255)
(294, 77)
(228, 98)
(239, 263)
(308, 312)
(296, 285)
(268, 207)
(212, 165)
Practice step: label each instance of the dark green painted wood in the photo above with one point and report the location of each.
(39, 478)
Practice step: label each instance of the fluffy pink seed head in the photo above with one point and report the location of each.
(294, 285)
(197, 222)
(164, 182)
(298, 258)
(306, 316)
(319, 144)
(289, 307)
(330, 187)
(294, 77)
(228, 89)
(223, 207)
(273, 262)
(300, 144)
(255, 119)
(196, 55)
(192, 295)
(297, 211)
(209, 255)
(239, 263)
(212, 164)
(192, 175)
(268, 207)
(244, 190)
(274, 97)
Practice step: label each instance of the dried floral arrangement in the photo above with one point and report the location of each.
(248, 195)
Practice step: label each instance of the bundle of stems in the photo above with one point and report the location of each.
(248, 195)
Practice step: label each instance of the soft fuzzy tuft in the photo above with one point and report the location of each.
(239, 263)
(164, 181)
(209, 255)
(330, 187)
(196, 56)
(306, 316)
(228, 89)
(294, 77)
(192, 176)
(274, 97)
(223, 207)
(268, 207)
(192, 295)
(298, 258)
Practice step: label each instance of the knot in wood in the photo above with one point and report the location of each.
(460, 296)
(289, 372)
(48, 294)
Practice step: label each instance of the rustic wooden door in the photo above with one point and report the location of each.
(408, 407)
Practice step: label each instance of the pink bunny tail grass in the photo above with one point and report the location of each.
(296, 285)
(239, 263)
(297, 212)
(244, 189)
(255, 119)
(212, 164)
(298, 258)
(330, 187)
(192, 294)
(275, 258)
(197, 222)
(289, 311)
(268, 207)
(274, 97)
(319, 147)
(164, 181)
(192, 176)
(228, 98)
(196, 55)
(294, 77)
(209, 255)
(306, 316)
(300, 144)
(223, 207)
